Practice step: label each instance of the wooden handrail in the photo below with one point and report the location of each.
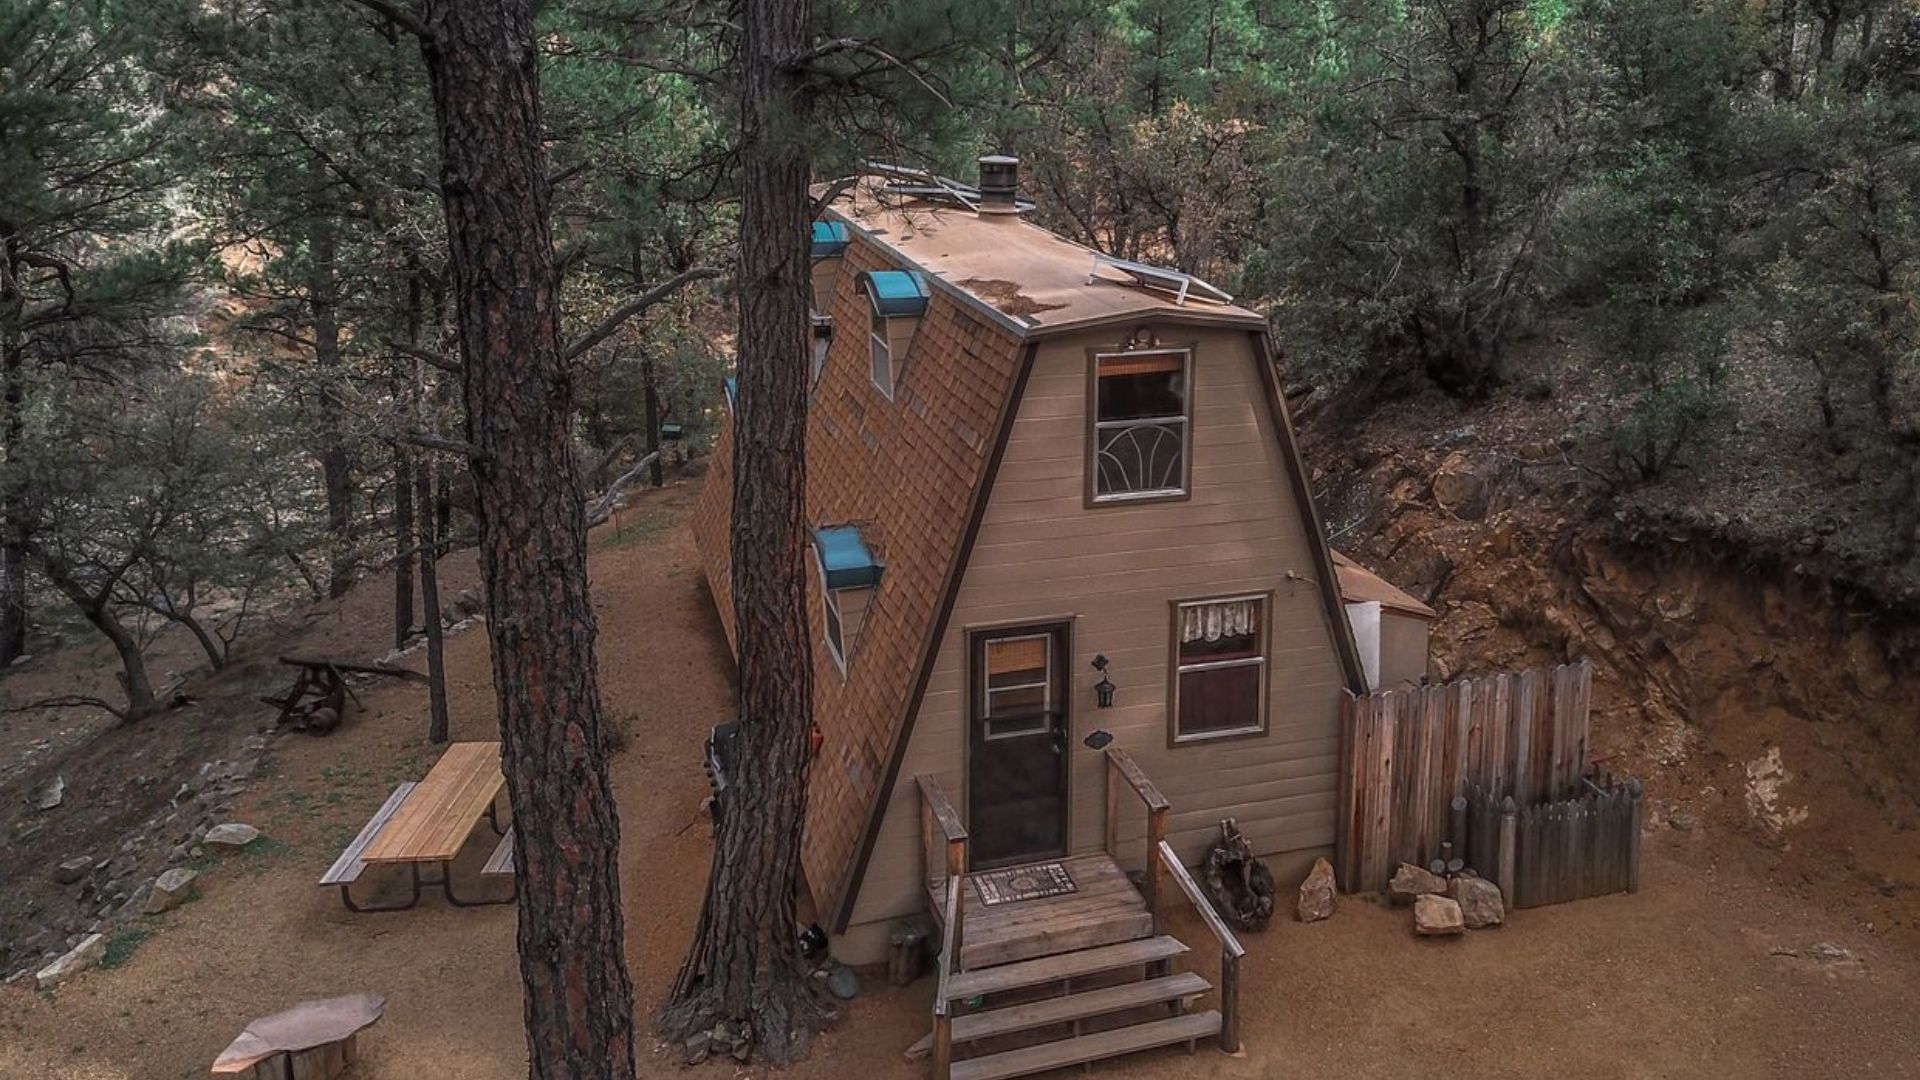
(1230, 949)
(950, 943)
(938, 817)
(1121, 768)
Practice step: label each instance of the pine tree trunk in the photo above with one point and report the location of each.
(747, 964)
(430, 601)
(655, 474)
(484, 69)
(13, 511)
(335, 470)
(404, 542)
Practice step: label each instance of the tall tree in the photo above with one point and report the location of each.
(483, 65)
(746, 964)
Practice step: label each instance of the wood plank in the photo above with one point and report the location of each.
(1084, 1048)
(1053, 969)
(437, 819)
(500, 863)
(348, 867)
(1079, 1006)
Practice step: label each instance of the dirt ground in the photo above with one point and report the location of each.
(1706, 972)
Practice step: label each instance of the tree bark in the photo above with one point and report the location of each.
(335, 469)
(655, 474)
(484, 69)
(94, 606)
(430, 602)
(747, 967)
(404, 541)
(13, 511)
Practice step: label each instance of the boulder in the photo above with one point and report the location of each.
(1411, 881)
(170, 890)
(51, 795)
(72, 870)
(1480, 902)
(1437, 916)
(231, 836)
(843, 982)
(1462, 488)
(1317, 893)
(78, 959)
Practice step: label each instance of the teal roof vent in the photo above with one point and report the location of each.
(830, 239)
(845, 558)
(896, 292)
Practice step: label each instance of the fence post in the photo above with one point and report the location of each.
(1509, 837)
(1633, 841)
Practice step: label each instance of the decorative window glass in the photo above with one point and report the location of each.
(1220, 668)
(1019, 685)
(1142, 413)
(882, 356)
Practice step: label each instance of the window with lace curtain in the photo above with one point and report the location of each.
(1220, 668)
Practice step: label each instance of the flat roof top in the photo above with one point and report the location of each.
(1032, 280)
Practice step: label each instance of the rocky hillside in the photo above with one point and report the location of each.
(1744, 665)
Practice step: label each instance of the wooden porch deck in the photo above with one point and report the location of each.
(1105, 909)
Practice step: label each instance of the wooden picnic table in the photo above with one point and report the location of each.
(435, 821)
(429, 822)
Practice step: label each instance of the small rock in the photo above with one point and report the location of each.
(1828, 951)
(231, 836)
(170, 890)
(1411, 881)
(80, 958)
(72, 870)
(697, 1046)
(1437, 916)
(843, 982)
(1684, 820)
(1317, 893)
(51, 795)
(21, 659)
(1480, 902)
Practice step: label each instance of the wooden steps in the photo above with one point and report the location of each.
(1084, 1048)
(1080, 1006)
(1050, 969)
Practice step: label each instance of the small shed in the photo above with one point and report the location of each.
(1390, 627)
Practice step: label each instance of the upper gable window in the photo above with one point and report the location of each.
(897, 299)
(1142, 411)
(848, 575)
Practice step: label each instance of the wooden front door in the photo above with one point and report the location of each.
(1017, 745)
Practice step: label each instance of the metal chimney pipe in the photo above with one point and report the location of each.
(999, 183)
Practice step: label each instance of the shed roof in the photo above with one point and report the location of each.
(1359, 585)
(1027, 279)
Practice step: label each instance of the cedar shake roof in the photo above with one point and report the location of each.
(907, 473)
(1359, 585)
(1021, 276)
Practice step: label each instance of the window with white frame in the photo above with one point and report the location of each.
(1220, 668)
(1141, 411)
(830, 605)
(882, 355)
(1018, 691)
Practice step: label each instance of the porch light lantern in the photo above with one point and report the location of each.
(1103, 690)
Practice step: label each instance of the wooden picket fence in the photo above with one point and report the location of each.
(1410, 753)
(1553, 852)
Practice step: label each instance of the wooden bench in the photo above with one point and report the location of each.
(500, 863)
(349, 866)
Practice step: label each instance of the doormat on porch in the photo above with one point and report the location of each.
(1023, 883)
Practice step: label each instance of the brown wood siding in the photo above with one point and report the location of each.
(1042, 553)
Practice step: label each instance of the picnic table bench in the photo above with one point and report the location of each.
(428, 822)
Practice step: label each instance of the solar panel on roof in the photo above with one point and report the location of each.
(1165, 279)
